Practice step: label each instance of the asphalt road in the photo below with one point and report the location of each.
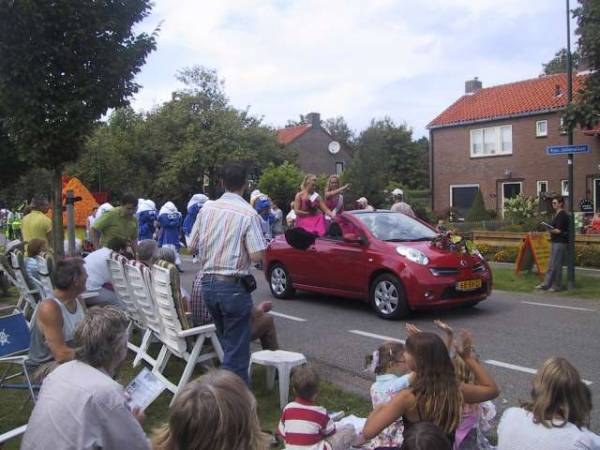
(514, 334)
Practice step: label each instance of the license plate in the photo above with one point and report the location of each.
(468, 285)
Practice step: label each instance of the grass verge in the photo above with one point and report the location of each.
(15, 408)
(506, 279)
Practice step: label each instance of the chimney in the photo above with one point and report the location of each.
(314, 119)
(557, 92)
(472, 86)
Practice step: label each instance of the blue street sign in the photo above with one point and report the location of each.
(565, 149)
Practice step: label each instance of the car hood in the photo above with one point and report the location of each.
(437, 257)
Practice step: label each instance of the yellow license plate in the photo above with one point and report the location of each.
(468, 285)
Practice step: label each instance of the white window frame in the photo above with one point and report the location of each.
(563, 191)
(539, 132)
(539, 184)
(336, 167)
(520, 183)
(452, 186)
(562, 128)
(498, 132)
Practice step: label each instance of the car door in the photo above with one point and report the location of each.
(341, 265)
(300, 264)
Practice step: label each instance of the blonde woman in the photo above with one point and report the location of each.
(333, 194)
(556, 416)
(310, 207)
(213, 412)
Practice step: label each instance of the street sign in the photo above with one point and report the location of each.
(566, 149)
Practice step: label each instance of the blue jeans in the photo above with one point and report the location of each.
(230, 306)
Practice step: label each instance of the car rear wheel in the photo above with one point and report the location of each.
(388, 298)
(280, 281)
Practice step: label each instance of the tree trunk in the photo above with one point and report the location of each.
(57, 216)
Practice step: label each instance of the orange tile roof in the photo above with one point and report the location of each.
(513, 99)
(286, 135)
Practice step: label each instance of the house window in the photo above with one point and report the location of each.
(491, 141)
(564, 187)
(562, 128)
(542, 187)
(339, 167)
(541, 128)
(462, 197)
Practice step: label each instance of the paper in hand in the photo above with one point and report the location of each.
(143, 390)
(547, 225)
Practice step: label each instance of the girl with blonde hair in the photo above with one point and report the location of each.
(556, 416)
(435, 395)
(213, 412)
(333, 194)
(310, 207)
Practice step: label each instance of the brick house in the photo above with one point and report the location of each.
(494, 140)
(318, 152)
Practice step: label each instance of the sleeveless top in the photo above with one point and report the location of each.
(39, 353)
(408, 424)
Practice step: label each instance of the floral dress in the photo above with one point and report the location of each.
(382, 391)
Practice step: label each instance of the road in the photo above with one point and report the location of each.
(514, 334)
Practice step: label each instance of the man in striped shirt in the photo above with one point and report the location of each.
(306, 426)
(229, 239)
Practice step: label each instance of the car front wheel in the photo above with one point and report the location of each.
(280, 281)
(388, 298)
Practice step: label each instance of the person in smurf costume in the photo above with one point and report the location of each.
(146, 216)
(193, 208)
(169, 219)
(263, 207)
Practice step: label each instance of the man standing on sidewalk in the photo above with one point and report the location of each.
(559, 235)
(229, 239)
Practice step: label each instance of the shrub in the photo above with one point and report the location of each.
(281, 183)
(521, 208)
(477, 213)
(587, 255)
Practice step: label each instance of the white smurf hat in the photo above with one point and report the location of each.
(397, 191)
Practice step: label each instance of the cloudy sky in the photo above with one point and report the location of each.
(360, 59)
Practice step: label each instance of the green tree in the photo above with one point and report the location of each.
(281, 183)
(558, 64)
(477, 212)
(585, 111)
(340, 130)
(62, 66)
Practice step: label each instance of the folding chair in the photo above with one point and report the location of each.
(139, 278)
(15, 338)
(28, 290)
(120, 285)
(46, 267)
(175, 328)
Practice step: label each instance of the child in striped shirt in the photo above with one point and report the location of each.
(306, 426)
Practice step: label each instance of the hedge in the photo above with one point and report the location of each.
(585, 255)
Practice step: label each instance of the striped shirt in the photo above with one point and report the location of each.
(225, 233)
(304, 425)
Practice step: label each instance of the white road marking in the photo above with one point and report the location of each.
(576, 308)
(285, 316)
(376, 336)
(504, 365)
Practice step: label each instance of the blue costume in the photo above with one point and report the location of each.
(170, 222)
(146, 216)
(190, 218)
(263, 208)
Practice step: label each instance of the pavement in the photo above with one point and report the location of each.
(514, 334)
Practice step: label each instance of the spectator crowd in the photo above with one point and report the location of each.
(432, 393)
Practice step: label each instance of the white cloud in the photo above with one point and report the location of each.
(353, 58)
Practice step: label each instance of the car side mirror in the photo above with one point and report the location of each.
(353, 238)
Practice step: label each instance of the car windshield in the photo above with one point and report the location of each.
(395, 227)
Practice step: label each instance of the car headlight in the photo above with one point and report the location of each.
(413, 255)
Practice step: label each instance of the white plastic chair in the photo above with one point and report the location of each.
(173, 335)
(140, 286)
(45, 264)
(122, 290)
(282, 361)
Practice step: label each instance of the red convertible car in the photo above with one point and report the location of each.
(383, 257)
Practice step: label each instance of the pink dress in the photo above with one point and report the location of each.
(315, 221)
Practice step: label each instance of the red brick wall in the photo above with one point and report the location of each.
(528, 163)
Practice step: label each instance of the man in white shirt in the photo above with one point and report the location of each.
(99, 275)
(80, 406)
(399, 204)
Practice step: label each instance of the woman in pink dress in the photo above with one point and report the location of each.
(333, 194)
(310, 207)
